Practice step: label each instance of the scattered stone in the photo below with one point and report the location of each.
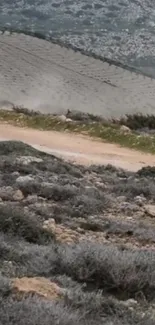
(16, 174)
(69, 120)
(129, 206)
(50, 225)
(62, 118)
(38, 285)
(125, 129)
(6, 193)
(140, 200)
(25, 160)
(32, 199)
(7, 33)
(24, 179)
(62, 233)
(150, 210)
(18, 195)
(121, 198)
(129, 303)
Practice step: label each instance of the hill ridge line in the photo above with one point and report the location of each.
(74, 48)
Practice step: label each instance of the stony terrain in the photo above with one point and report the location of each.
(76, 243)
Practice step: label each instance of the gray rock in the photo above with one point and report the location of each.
(7, 193)
(129, 303)
(18, 195)
(140, 200)
(121, 198)
(16, 174)
(62, 118)
(69, 120)
(24, 179)
(25, 160)
(32, 199)
(150, 210)
(125, 129)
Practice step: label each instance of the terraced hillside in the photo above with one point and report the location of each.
(122, 30)
(51, 78)
(76, 243)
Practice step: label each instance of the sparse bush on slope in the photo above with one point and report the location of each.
(37, 311)
(110, 269)
(95, 201)
(138, 121)
(18, 223)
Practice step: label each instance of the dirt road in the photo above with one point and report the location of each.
(50, 78)
(78, 148)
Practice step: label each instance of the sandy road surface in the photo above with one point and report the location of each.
(45, 76)
(78, 148)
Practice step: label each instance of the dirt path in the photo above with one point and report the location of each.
(78, 148)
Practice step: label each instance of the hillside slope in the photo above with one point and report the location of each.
(76, 243)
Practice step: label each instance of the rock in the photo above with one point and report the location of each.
(8, 268)
(101, 185)
(62, 118)
(62, 234)
(6, 193)
(140, 200)
(121, 198)
(50, 225)
(125, 129)
(16, 174)
(150, 210)
(129, 302)
(39, 285)
(69, 120)
(127, 206)
(18, 195)
(25, 160)
(24, 179)
(32, 199)
(7, 33)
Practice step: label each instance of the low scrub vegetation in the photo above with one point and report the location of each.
(90, 231)
(138, 122)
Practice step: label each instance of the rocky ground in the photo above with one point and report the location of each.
(76, 243)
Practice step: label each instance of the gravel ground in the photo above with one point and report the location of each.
(76, 243)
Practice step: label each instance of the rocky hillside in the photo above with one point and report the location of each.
(120, 30)
(76, 243)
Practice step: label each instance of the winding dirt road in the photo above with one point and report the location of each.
(50, 78)
(78, 148)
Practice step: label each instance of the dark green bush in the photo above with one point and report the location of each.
(138, 121)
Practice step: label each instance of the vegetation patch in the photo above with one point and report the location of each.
(138, 122)
(109, 131)
(73, 251)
